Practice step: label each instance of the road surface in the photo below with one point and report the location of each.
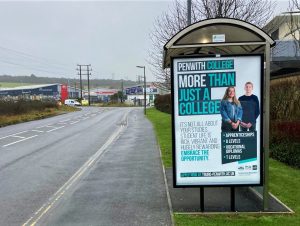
(98, 166)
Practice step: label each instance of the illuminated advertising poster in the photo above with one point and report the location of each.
(217, 121)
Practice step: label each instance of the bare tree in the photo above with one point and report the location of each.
(293, 22)
(294, 4)
(169, 23)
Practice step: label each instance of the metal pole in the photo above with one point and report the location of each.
(144, 67)
(69, 89)
(189, 12)
(122, 92)
(80, 82)
(266, 129)
(232, 199)
(88, 77)
(202, 199)
(145, 90)
(75, 90)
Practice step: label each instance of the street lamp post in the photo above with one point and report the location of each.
(144, 87)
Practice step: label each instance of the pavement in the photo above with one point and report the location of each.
(125, 187)
(218, 199)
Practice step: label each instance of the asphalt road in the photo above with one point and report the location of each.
(98, 166)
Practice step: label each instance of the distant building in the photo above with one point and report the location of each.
(38, 92)
(99, 95)
(285, 30)
(135, 94)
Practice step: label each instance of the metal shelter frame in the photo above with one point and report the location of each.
(240, 37)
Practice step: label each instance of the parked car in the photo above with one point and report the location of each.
(71, 102)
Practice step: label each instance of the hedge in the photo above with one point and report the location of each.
(285, 120)
(163, 103)
(286, 151)
(24, 106)
(285, 99)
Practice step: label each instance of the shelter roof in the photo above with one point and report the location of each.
(240, 37)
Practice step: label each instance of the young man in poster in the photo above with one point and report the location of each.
(250, 105)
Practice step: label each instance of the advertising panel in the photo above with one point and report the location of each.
(217, 122)
(64, 93)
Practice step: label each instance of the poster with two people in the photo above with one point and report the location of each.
(217, 121)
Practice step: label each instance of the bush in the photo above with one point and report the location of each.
(286, 151)
(163, 103)
(285, 130)
(24, 106)
(285, 142)
(285, 99)
(284, 123)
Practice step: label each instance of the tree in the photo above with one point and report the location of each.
(294, 24)
(169, 23)
(294, 4)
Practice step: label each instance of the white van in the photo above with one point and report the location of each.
(71, 102)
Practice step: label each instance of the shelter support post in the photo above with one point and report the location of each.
(202, 199)
(232, 199)
(266, 129)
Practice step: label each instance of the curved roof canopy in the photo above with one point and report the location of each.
(237, 37)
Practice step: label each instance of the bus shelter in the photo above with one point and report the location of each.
(205, 58)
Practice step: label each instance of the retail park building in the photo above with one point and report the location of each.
(134, 94)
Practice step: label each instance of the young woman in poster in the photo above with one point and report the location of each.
(231, 111)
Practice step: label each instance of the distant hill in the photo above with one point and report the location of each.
(94, 83)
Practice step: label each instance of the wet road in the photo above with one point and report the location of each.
(98, 166)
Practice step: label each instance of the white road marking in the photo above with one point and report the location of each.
(40, 127)
(39, 131)
(13, 134)
(32, 221)
(18, 136)
(74, 122)
(65, 120)
(19, 141)
(63, 123)
(56, 128)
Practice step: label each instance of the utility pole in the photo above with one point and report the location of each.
(143, 67)
(83, 71)
(75, 92)
(122, 86)
(189, 12)
(79, 69)
(88, 77)
(139, 79)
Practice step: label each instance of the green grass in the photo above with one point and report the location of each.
(12, 84)
(284, 184)
(162, 124)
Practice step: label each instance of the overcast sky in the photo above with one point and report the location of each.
(49, 38)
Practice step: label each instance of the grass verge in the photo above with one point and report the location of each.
(284, 184)
(162, 125)
(6, 120)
